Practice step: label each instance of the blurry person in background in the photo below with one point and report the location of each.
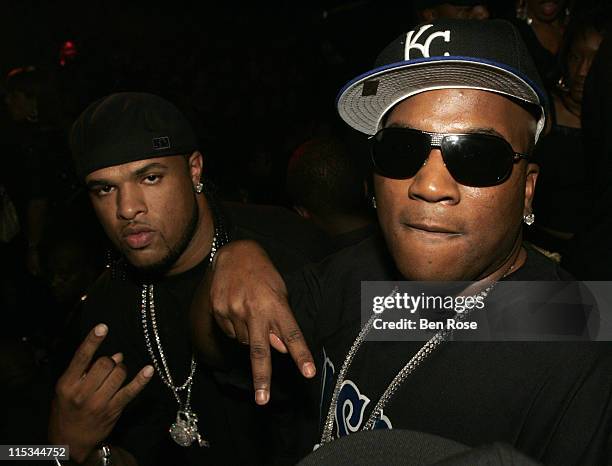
(38, 177)
(327, 187)
(596, 115)
(590, 257)
(22, 178)
(25, 144)
(583, 39)
(23, 88)
(563, 187)
(37, 184)
(542, 24)
(429, 10)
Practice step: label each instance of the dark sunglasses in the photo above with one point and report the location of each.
(472, 159)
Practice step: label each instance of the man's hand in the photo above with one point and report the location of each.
(248, 299)
(89, 398)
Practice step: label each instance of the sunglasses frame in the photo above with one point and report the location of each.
(435, 142)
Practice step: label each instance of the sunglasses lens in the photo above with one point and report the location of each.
(478, 160)
(399, 153)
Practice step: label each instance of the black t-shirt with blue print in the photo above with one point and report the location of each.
(550, 400)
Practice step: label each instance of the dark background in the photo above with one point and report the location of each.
(256, 81)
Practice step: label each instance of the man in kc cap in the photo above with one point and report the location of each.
(452, 110)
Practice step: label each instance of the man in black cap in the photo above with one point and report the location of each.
(453, 110)
(430, 10)
(140, 161)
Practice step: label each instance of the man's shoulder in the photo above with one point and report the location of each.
(539, 267)
(366, 260)
(290, 240)
(340, 274)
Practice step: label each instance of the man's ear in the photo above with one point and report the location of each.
(196, 166)
(302, 212)
(533, 170)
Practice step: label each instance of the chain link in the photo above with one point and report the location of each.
(429, 347)
(147, 308)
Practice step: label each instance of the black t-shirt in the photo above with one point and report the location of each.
(239, 432)
(549, 400)
(350, 238)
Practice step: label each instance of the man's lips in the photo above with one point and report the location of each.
(432, 229)
(138, 237)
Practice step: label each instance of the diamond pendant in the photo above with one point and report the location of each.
(184, 430)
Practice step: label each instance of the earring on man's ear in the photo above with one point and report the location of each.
(529, 219)
(199, 187)
(373, 202)
(562, 85)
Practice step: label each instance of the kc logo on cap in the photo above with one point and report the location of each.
(445, 54)
(412, 41)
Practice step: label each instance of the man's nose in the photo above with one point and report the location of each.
(433, 182)
(130, 202)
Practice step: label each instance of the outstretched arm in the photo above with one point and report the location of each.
(247, 298)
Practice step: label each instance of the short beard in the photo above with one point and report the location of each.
(160, 268)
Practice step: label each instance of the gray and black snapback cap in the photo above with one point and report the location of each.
(445, 54)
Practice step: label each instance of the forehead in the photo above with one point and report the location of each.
(170, 163)
(446, 110)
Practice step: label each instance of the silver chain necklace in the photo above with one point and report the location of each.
(184, 430)
(429, 347)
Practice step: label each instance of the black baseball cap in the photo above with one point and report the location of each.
(126, 127)
(444, 54)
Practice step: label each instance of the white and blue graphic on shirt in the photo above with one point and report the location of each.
(351, 405)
